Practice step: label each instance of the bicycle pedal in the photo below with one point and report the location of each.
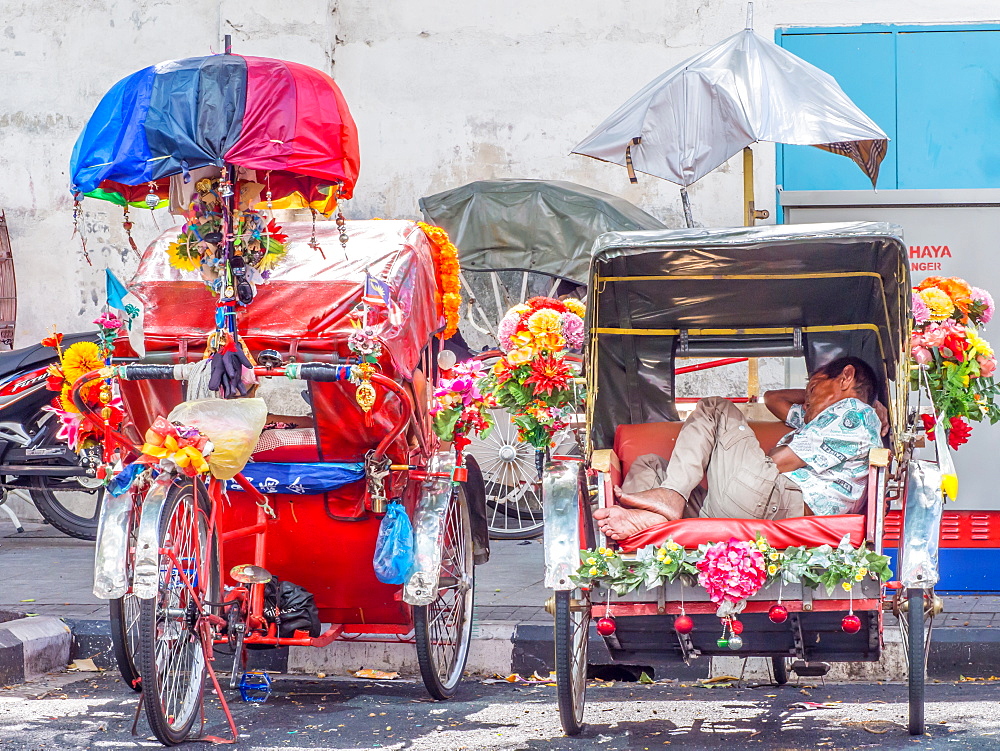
(255, 685)
(248, 573)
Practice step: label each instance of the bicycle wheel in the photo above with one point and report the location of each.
(443, 629)
(780, 668)
(124, 615)
(171, 656)
(572, 627)
(916, 657)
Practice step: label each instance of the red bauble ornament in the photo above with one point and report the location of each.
(737, 627)
(851, 624)
(778, 614)
(683, 624)
(606, 626)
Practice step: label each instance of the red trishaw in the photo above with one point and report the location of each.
(186, 560)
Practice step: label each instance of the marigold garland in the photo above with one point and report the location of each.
(449, 291)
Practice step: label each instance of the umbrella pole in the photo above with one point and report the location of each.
(686, 203)
(750, 214)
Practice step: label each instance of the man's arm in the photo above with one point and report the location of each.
(779, 401)
(785, 459)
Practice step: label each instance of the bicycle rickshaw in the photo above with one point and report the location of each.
(519, 239)
(805, 291)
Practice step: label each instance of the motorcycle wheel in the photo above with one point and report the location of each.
(64, 502)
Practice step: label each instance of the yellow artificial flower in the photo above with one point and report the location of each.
(520, 309)
(184, 257)
(858, 577)
(863, 571)
(846, 586)
(600, 551)
(592, 561)
(519, 356)
(608, 553)
(762, 546)
(576, 307)
(668, 560)
(544, 321)
(773, 556)
(79, 359)
(977, 343)
(939, 305)
(593, 571)
(550, 342)
(661, 554)
(673, 546)
(772, 569)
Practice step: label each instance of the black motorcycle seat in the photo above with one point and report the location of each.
(35, 355)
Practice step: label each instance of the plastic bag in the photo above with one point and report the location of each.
(918, 565)
(232, 425)
(394, 547)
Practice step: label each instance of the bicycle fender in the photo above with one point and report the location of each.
(111, 550)
(428, 531)
(561, 513)
(146, 573)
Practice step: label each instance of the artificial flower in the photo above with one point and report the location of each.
(520, 356)
(977, 344)
(79, 359)
(545, 303)
(958, 433)
(184, 255)
(572, 329)
(921, 314)
(731, 571)
(939, 304)
(548, 375)
(506, 329)
(53, 340)
(574, 306)
(982, 305)
(108, 320)
(544, 321)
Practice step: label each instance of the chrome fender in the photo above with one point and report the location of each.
(111, 549)
(561, 512)
(146, 574)
(428, 529)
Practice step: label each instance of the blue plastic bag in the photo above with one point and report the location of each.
(394, 547)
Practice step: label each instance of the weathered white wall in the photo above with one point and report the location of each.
(444, 92)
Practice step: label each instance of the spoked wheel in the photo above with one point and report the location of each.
(572, 627)
(780, 667)
(443, 629)
(171, 656)
(917, 642)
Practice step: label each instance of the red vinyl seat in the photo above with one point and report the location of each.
(284, 445)
(632, 441)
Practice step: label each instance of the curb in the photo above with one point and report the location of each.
(503, 647)
(30, 647)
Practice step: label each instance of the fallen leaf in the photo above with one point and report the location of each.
(378, 675)
(719, 679)
(85, 665)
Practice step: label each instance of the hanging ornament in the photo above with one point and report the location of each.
(778, 613)
(78, 229)
(313, 242)
(152, 200)
(735, 642)
(683, 624)
(225, 188)
(722, 642)
(342, 226)
(606, 626)
(270, 204)
(736, 626)
(127, 226)
(851, 624)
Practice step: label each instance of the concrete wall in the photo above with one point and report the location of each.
(444, 92)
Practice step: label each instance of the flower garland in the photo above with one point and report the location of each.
(459, 407)
(446, 268)
(197, 248)
(531, 380)
(948, 351)
(732, 571)
(176, 447)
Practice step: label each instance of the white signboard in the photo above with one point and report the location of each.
(948, 233)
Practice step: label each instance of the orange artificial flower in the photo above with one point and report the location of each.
(446, 268)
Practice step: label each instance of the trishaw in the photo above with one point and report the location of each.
(186, 561)
(519, 239)
(806, 291)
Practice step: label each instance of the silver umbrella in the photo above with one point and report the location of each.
(745, 89)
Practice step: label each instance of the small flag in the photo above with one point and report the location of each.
(377, 292)
(121, 299)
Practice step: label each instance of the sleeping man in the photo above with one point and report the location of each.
(820, 467)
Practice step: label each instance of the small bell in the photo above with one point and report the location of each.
(606, 626)
(735, 642)
(152, 200)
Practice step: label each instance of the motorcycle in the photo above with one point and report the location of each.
(62, 484)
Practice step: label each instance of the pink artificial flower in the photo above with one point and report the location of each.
(987, 365)
(932, 336)
(109, 321)
(922, 355)
(921, 314)
(984, 298)
(572, 329)
(732, 571)
(506, 329)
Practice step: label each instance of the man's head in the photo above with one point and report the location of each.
(843, 378)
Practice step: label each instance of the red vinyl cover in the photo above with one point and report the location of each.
(810, 531)
(308, 295)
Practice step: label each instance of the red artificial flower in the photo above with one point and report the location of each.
(274, 230)
(548, 375)
(928, 421)
(958, 433)
(53, 340)
(537, 303)
(955, 343)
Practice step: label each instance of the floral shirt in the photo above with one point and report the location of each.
(834, 446)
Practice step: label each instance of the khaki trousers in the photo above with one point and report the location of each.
(743, 482)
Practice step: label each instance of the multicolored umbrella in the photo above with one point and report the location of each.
(288, 121)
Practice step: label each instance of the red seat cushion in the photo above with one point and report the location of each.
(286, 445)
(632, 441)
(810, 531)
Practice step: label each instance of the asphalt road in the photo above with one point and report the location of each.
(94, 711)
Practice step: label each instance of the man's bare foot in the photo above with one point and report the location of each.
(663, 501)
(618, 522)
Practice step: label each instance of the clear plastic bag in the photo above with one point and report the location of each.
(394, 547)
(232, 425)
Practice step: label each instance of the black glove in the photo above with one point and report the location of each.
(227, 372)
